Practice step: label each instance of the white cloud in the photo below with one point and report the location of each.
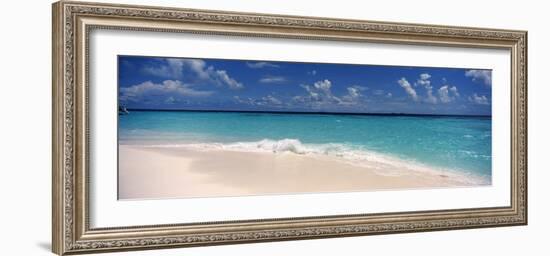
(455, 91)
(165, 71)
(389, 95)
(444, 94)
(176, 68)
(482, 100)
(248, 101)
(268, 100)
(196, 65)
(272, 79)
(314, 95)
(448, 93)
(425, 76)
(323, 85)
(480, 75)
(230, 82)
(408, 88)
(313, 72)
(430, 98)
(425, 82)
(272, 100)
(168, 89)
(354, 92)
(261, 64)
(320, 94)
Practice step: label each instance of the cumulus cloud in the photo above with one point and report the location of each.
(221, 75)
(354, 92)
(483, 76)
(320, 94)
(317, 95)
(169, 90)
(272, 100)
(353, 95)
(424, 81)
(323, 85)
(430, 98)
(482, 100)
(174, 68)
(425, 76)
(272, 79)
(408, 88)
(171, 71)
(261, 64)
(198, 70)
(447, 93)
(454, 90)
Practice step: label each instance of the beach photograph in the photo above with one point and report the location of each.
(197, 127)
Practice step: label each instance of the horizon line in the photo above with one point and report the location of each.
(306, 112)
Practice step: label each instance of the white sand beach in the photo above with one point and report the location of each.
(172, 172)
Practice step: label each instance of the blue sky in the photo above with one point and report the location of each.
(215, 84)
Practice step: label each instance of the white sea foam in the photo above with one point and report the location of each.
(275, 146)
(383, 164)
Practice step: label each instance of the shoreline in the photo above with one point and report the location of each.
(157, 172)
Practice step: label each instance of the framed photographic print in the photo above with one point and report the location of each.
(179, 127)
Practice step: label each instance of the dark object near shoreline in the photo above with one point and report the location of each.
(123, 111)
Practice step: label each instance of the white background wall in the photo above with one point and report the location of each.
(25, 147)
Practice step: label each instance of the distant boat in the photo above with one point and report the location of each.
(123, 111)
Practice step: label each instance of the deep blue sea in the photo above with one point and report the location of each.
(450, 142)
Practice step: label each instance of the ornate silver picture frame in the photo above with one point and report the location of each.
(72, 208)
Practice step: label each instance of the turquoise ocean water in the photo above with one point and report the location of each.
(457, 143)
